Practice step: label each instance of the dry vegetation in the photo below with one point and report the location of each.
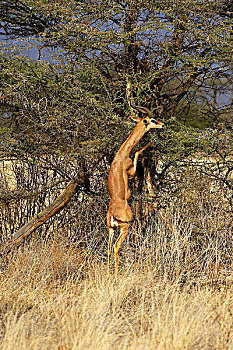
(174, 291)
(169, 296)
(56, 299)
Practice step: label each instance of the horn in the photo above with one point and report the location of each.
(134, 117)
(144, 110)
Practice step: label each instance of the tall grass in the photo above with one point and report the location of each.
(174, 290)
(172, 293)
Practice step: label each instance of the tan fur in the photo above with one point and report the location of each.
(121, 169)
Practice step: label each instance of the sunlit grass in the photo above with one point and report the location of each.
(53, 297)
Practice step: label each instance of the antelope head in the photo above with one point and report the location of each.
(150, 122)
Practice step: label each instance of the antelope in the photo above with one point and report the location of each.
(121, 170)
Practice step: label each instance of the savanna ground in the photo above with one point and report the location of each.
(174, 289)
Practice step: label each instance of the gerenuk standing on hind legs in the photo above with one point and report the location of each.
(121, 169)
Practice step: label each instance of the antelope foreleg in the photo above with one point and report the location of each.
(137, 155)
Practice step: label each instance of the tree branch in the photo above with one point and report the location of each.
(58, 204)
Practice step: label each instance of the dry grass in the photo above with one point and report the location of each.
(174, 291)
(53, 297)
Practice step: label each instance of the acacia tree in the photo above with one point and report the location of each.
(97, 61)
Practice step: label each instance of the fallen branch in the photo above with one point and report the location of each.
(40, 218)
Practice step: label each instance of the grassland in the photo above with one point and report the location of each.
(173, 292)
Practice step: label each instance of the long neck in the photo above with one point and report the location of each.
(135, 136)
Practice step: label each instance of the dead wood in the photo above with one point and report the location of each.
(59, 203)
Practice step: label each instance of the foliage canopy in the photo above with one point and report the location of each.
(94, 61)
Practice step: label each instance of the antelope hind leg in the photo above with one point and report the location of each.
(111, 233)
(123, 233)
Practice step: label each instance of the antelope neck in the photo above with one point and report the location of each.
(134, 138)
